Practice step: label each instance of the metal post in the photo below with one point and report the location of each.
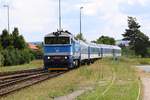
(7, 6)
(8, 20)
(59, 15)
(81, 20)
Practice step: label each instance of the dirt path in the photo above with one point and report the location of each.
(73, 95)
(144, 71)
(146, 85)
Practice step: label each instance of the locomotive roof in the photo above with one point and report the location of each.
(59, 33)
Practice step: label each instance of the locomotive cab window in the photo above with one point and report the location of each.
(57, 40)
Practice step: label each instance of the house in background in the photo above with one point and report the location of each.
(33, 47)
(122, 42)
(37, 51)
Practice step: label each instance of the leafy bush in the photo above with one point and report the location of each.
(37, 54)
(14, 50)
(26, 55)
(144, 61)
(1, 59)
(16, 57)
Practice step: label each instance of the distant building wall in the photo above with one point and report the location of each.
(122, 42)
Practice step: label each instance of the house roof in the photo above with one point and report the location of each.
(32, 46)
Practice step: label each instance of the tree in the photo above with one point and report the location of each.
(6, 39)
(1, 47)
(105, 40)
(18, 40)
(80, 37)
(139, 42)
(15, 32)
(1, 59)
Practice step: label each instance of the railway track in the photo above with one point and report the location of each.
(10, 82)
(19, 72)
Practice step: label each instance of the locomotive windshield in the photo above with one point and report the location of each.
(57, 40)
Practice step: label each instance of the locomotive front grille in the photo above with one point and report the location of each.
(56, 61)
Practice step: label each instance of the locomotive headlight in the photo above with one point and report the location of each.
(66, 57)
(48, 57)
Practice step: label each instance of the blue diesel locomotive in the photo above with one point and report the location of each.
(62, 51)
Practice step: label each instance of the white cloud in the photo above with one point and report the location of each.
(38, 17)
(109, 11)
(32, 17)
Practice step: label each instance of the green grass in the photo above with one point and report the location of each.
(125, 86)
(99, 76)
(144, 61)
(31, 65)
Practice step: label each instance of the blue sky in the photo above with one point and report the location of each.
(36, 18)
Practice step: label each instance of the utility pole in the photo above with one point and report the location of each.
(7, 6)
(81, 20)
(59, 15)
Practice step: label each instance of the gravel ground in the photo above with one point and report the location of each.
(146, 84)
(145, 68)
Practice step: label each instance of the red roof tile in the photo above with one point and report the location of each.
(33, 47)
